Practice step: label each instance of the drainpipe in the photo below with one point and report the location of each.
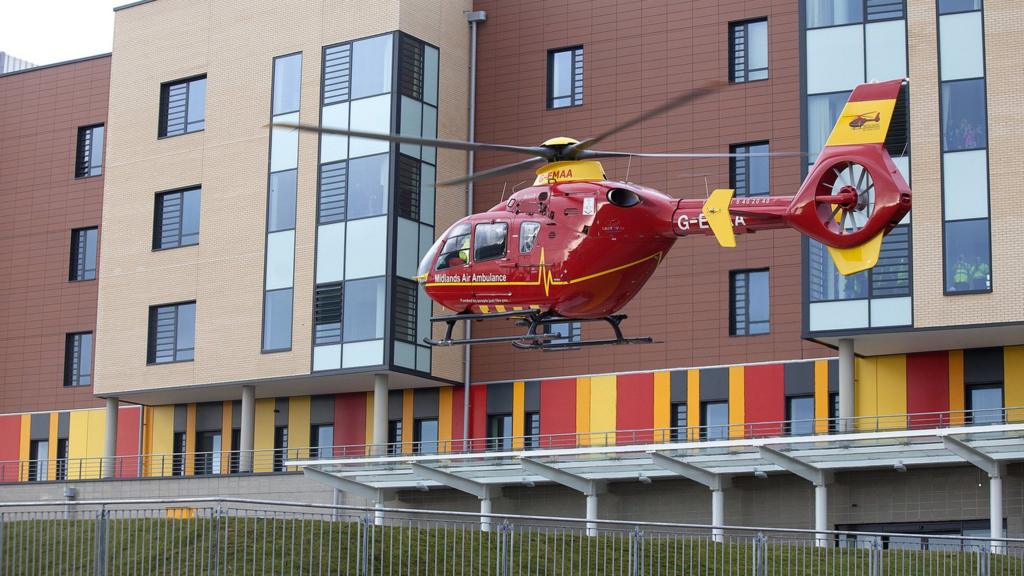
(474, 18)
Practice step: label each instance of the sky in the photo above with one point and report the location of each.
(48, 31)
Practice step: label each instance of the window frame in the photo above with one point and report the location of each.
(705, 428)
(417, 436)
(863, 20)
(395, 436)
(165, 88)
(496, 422)
(81, 162)
(151, 334)
(531, 429)
(678, 430)
(158, 217)
(969, 417)
(744, 148)
(744, 24)
(280, 453)
(74, 256)
(789, 415)
(575, 95)
(73, 363)
(733, 274)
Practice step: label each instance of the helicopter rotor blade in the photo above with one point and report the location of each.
(680, 100)
(546, 153)
(497, 171)
(587, 154)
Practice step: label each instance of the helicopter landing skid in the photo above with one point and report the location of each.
(533, 339)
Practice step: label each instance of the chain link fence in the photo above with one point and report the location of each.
(233, 536)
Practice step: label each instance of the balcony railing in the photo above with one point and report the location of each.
(274, 460)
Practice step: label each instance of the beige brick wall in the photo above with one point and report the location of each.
(1004, 41)
(233, 42)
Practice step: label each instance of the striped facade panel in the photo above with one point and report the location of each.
(765, 399)
(737, 395)
(408, 420)
(263, 435)
(881, 392)
(129, 421)
(634, 408)
(603, 395)
(821, 396)
(458, 405)
(350, 419)
(518, 414)
(1013, 382)
(85, 443)
(557, 409)
(10, 447)
(444, 419)
(957, 404)
(298, 426)
(583, 410)
(928, 389)
(158, 438)
(478, 416)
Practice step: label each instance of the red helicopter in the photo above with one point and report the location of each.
(576, 246)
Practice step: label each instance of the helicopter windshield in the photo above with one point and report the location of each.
(455, 252)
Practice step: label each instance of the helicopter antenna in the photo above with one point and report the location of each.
(514, 188)
(629, 163)
(707, 188)
(503, 186)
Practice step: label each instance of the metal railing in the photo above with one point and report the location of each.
(209, 536)
(274, 460)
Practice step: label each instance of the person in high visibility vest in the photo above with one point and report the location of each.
(961, 274)
(979, 274)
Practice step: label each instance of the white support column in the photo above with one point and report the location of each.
(378, 514)
(717, 515)
(846, 388)
(485, 514)
(821, 515)
(110, 440)
(591, 514)
(247, 432)
(995, 470)
(380, 415)
(360, 489)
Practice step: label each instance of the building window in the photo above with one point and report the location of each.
(208, 447)
(678, 421)
(532, 423)
(61, 472)
(280, 447)
(172, 330)
(83, 254)
(89, 153)
(748, 303)
(833, 411)
(327, 313)
(748, 175)
(714, 420)
(565, 77)
(499, 432)
(236, 450)
(748, 56)
(800, 415)
(568, 330)
(984, 404)
(825, 13)
(394, 437)
(277, 320)
(176, 219)
(425, 436)
(406, 298)
(39, 454)
(952, 6)
(183, 106)
(78, 359)
(321, 439)
(178, 448)
(363, 310)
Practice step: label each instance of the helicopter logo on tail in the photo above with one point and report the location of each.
(860, 120)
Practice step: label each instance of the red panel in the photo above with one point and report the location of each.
(634, 408)
(128, 421)
(350, 423)
(764, 396)
(10, 447)
(458, 395)
(478, 416)
(558, 412)
(928, 388)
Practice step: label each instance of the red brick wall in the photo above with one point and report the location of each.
(40, 203)
(636, 56)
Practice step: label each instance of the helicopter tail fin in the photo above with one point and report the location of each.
(859, 258)
(716, 211)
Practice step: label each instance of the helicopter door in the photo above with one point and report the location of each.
(492, 265)
(529, 245)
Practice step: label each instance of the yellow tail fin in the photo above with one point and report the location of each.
(859, 258)
(716, 211)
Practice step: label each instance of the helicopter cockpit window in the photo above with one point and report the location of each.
(490, 241)
(528, 236)
(427, 260)
(455, 251)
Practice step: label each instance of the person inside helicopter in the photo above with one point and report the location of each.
(455, 251)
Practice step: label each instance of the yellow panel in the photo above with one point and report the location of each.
(368, 418)
(298, 427)
(96, 440)
(225, 437)
(736, 402)
(821, 396)
(956, 388)
(864, 122)
(407, 421)
(865, 394)
(518, 414)
(602, 410)
(444, 419)
(693, 404)
(25, 446)
(263, 436)
(190, 438)
(78, 443)
(583, 410)
(51, 470)
(662, 405)
(569, 171)
(1013, 382)
(160, 437)
(716, 211)
(891, 386)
